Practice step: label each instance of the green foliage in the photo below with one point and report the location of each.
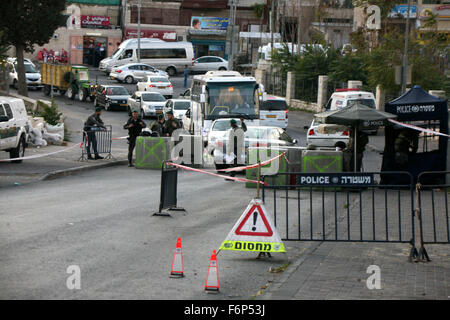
(258, 9)
(28, 22)
(50, 113)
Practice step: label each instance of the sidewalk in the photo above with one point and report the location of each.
(330, 270)
(63, 163)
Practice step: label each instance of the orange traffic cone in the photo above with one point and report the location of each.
(212, 277)
(177, 269)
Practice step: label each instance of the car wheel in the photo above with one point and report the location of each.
(47, 90)
(71, 93)
(18, 152)
(82, 95)
(222, 69)
(171, 71)
(129, 79)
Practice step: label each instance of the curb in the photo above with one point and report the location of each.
(71, 171)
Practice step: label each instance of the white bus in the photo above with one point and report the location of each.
(224, 94)
(169, 56)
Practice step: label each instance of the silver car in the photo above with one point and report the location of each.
(209, 63)
(148, 104)
(133, 72)
(32, 75)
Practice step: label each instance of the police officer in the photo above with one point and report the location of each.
(171, 124)
(91, 125)
(134, 126)
(159, 126)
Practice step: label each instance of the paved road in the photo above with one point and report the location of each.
(102, 221)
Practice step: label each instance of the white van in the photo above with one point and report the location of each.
(274, 112)
(14, 127)
(171, 57)
(347, 97)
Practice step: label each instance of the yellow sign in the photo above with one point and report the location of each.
(252, 246)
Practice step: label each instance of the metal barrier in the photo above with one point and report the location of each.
(97, 139)
(345, 206)
(432, 197)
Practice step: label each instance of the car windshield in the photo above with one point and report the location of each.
(158, 79)
(83, 75)
(367, 102)
(117, 91)
(276, 105)
(181, 105)
(29, 68)
(153, 97)
(224, 125)
(232, 99)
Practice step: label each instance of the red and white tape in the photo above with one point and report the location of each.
(214, 174)
(410, 126)
(253, 166)
(41, 155)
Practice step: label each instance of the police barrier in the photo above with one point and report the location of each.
(344, 206)
(96, 139)
(432, 212)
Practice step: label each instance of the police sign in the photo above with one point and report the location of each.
(336, 179)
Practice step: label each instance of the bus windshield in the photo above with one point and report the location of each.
(232, 99)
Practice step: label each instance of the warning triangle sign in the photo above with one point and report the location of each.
(254, 231)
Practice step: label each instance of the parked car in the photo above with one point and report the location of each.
(219, 129)
(33, 76)
(343, 98)
(14, 127)
(178, 106)
(255, 136)
(112, 97)
(187, 120)
(209, 63)
(156, 84)
(274, 112)
(148, 104)
(326, 135)
(132, 72)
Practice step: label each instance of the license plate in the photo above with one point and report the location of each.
(270, 116)
(158, 111)
(123, 104)
(161, 87)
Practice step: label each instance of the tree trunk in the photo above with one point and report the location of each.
(22, 82)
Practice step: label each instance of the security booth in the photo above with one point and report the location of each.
(412, 150)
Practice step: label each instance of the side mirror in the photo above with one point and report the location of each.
(4, 119)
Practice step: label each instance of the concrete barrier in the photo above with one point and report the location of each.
(322, 161)
(152, 151)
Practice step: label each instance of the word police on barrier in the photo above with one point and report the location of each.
(336, 179)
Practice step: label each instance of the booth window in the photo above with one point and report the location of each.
(426, 142)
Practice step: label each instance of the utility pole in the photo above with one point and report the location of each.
(139, 33)
(405, 54)
(233, 5)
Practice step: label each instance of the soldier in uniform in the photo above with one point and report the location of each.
(91, 125)
(134, 125)
(171, 124)
(158, 126)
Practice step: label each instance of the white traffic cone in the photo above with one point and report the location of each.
(212, 277)
(177, 269)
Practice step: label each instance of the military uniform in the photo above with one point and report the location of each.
(92, 124)
(169, 125)
(134, 127)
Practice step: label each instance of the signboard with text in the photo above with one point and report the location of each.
(167, 35)
(336, 179)
(209, 23)
(101, 22)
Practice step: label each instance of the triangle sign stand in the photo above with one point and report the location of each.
(254, 231)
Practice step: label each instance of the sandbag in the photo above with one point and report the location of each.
(57, 129)
(53, 138)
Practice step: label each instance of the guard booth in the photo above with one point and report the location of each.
(418, 108)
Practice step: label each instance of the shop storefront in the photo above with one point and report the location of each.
(208, 36)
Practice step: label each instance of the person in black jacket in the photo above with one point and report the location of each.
(92, 124)
(134, 126)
